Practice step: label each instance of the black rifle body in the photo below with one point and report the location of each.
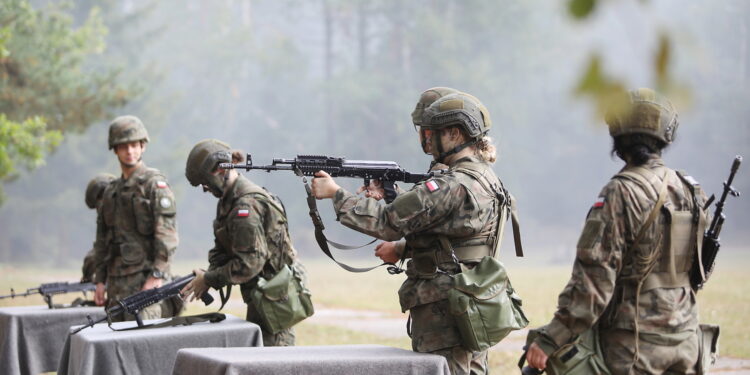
(135, 303)
(51, 289)
(388, 172)
(711, 244)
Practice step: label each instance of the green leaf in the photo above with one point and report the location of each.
(581, 9)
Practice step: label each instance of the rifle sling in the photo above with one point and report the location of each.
(323, 242)
(213, 317)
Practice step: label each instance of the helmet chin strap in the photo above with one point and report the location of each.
(442, 154)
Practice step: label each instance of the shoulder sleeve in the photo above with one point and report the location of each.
(598, 261)
(165, 223)
(413, 211)
(248, 244)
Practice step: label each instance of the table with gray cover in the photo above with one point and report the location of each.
(32, 337)
(335, 359)
(99, 350)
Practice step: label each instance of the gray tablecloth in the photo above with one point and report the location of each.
(329, 360)
(32, 337)
(99, 350)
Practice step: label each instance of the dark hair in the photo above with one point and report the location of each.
(237, 156)
(638, 147)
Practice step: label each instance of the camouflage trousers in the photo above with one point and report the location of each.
(666, 357)
(282, 338)
(119, 287)
(433, 330)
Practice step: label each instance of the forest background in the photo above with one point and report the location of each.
(278, 78)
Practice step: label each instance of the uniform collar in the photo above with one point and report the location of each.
(139, 171)
(465, 160)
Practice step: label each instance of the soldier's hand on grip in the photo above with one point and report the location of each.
(323, 186)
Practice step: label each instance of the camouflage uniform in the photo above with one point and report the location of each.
(136, 235)
(451, 211)
(251, 241)
(623, 289)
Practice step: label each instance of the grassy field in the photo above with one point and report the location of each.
(725, 301)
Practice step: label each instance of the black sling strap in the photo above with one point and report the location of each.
(323, 241)
(213, 317)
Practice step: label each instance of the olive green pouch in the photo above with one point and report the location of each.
(484, 304)
(709, 347)
(282, 301)
(581, 357)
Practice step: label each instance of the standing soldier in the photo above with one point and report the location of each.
(251, 235)
(449, 219)
(137, 229)
(392, 251)
(630, 284)
(93, 198)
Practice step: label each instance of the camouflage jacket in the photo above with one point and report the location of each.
(251, 238)
(455, 206)
(137, 228)
(602, 289)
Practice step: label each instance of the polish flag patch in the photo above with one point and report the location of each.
(432, 186)
(599, 202)
(161, 184)
(243, 213)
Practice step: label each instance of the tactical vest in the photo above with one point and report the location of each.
(448, 252)
(668, 267)
(128, 216)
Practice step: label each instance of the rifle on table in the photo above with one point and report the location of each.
(51, 289)
(703, 267)
(388, 172)
(135, 303)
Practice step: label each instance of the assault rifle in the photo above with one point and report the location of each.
(711, 238)
(51, 289)
(135, 303)
(388, 172)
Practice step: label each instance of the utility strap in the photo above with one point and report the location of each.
(323, 241)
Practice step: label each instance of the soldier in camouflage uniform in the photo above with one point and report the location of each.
(251, 233)
(137, 229)
(624, 287)
(452, 214)
(393, 251)
(93, 198)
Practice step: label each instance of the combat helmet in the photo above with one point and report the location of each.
(459, 109)
(645, 112)
(428, 97)
(202, 162)
(126, 129)
(96, 187)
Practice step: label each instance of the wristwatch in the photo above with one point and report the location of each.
(157, 274)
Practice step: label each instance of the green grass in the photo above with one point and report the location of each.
(725, 301)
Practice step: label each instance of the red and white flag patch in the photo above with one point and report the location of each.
(161, 184)
(243, 213)
(599, 202)
(432, 186)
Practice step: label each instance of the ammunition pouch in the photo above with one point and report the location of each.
(580, 357)
(484, 304)
(282, 301)
(708, 349)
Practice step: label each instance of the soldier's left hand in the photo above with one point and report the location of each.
(323, 186)
(536, 357)
(196, 287)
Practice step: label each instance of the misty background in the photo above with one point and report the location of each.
(278, 78)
